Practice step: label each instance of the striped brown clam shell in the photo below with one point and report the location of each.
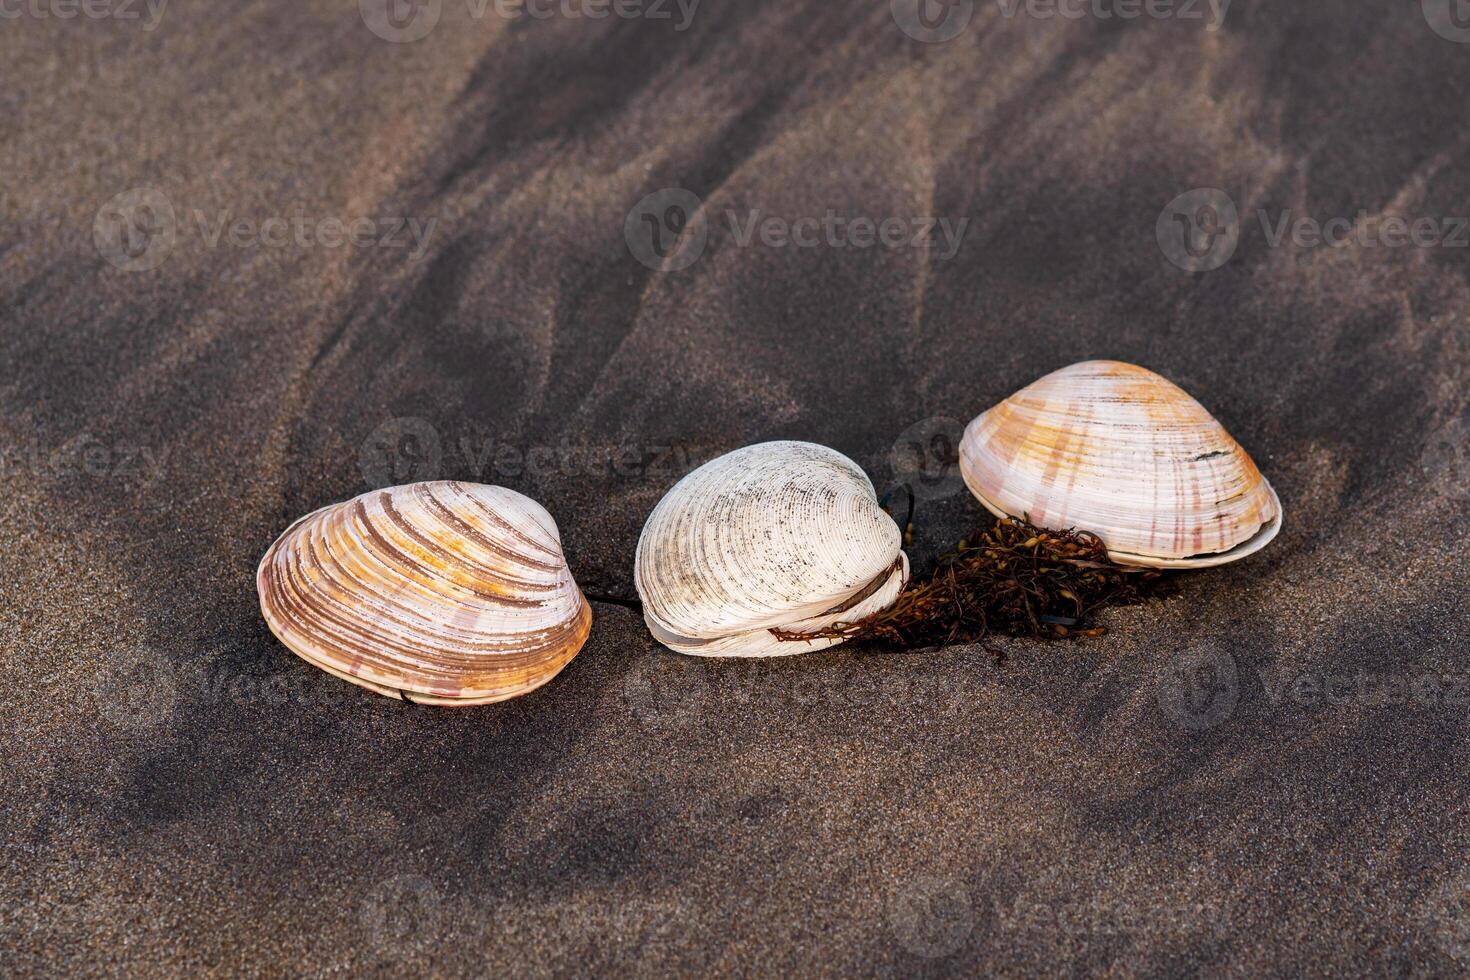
(442, 593)
(1117, 450)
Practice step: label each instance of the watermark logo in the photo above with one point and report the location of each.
(1446, 917)
(1200, 688)
(136, 230)
(667, 230)
(926, 456)
(1446, 460)
(1199, 230)
(664, 692)
(401, 450)
(1450, 19)
(401, 21)
(932, 21)
(134, 689)
(931, 917)
(402, 915)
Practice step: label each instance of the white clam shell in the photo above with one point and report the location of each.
(442, 593)
(779, 535)
(1117, 450)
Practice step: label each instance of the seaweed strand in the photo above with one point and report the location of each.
(1012, 579)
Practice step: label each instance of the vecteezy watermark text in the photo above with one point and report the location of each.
(1200, 230)
(409, 450)
(1212, 11)
(1100, 916)
(936, 21)
(839, 231)
(150, 12)
(303, 232)
(85, 457)
(682, 11)
(667, 692)
(1365, 231)
(1203, 686)
(1314, 690)
(406, 21)
(668, 230)
(138, 229)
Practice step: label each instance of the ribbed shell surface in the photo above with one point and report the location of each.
(1115, 449)
(780, 535)
(442, 593)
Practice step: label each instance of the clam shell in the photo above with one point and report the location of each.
(442, 593)
(780, 535)
(1117, 450)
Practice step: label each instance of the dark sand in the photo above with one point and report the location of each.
(184, 796)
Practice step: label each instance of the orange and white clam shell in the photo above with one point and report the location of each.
(1117, 450)
(442, 593)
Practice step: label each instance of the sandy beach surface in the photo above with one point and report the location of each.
(259, 257)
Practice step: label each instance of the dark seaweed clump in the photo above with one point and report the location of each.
(1012, 579)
